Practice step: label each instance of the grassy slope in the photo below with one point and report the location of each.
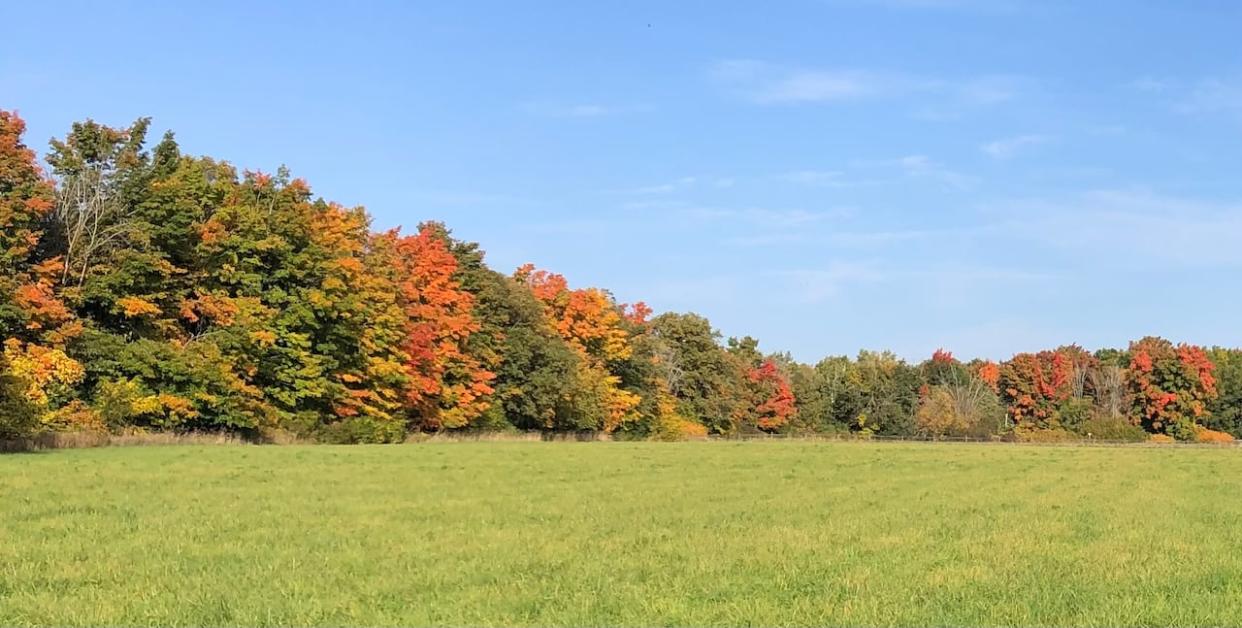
(622, 534)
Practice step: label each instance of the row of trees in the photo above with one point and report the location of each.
(1153, 389)
(144, 288)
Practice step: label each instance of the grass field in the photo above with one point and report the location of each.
(550, 534)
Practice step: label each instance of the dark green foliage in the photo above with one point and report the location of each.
(700, 374)
(1226, 408)
(535, 368)
(1116, 428)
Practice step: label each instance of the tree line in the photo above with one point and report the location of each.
(143, 288)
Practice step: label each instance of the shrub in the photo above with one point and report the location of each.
(1113, 428)
(1204, 435)
(354, 430)
(76, 416)
(1075, 413)
(959, 409)
(1035, 435)
(1162, 438)
(681, 429)
(1182, 429)
(18, 416)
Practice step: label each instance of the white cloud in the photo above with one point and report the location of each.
(1154, 231)
(769, 84)
(763, 216)
(990, 90)
(584, 110)
(820, 284)
(472, 198)
(986, 6)
(799, 87)
(829, 178)
(922, 166)
(934, 97)
(1212, 96)
(1205, 95)
(1006, 147)
(682, 184)
(815, 285)
(1149, 84)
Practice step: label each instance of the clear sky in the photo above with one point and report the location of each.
(826, 175)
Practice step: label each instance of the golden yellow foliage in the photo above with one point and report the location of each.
(134, 307)
(1204, 435)
(45, 370)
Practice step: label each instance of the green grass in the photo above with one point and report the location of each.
(549, 534)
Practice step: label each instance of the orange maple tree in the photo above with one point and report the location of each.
(448, 387)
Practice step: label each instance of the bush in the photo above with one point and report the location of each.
(19, 417)
(1036, 435)
(969, 409)
(354, 430)
(1204, 435)
(1162, 438)
(1113, 428)
(1183, 429)
(1075, 413)
(309, 426)
(680, 429)
(76, 416)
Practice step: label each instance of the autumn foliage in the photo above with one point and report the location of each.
(448, 387)
(775, 399)
(1171, 386)
(143, 288)
(1034, 384)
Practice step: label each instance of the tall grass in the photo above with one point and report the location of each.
(622, 534)
(129, 438)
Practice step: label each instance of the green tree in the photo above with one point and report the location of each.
(1225, 411)
(886, 394)
(704, 379)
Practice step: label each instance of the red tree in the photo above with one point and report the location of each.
(1171, 386)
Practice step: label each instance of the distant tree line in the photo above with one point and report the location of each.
(142, 288)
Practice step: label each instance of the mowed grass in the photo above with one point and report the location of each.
(552, 534)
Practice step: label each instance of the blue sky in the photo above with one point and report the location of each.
(826, 175)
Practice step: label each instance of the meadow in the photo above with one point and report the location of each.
(622, 534)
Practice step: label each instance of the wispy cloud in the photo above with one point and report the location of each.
(472, 198)
(990, 90)
(820, 284)
(1158, 231)
(584, 110)
(987, 6)
(1149, 84)
(1213, 96)
(825, 178)
(1204, 95)
(922, 166)
(814, 285)
(679, 185)
(858, 239)
(772, 84)
(1006, 147)
(769, 85)
(862, 173)
(767, 217)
